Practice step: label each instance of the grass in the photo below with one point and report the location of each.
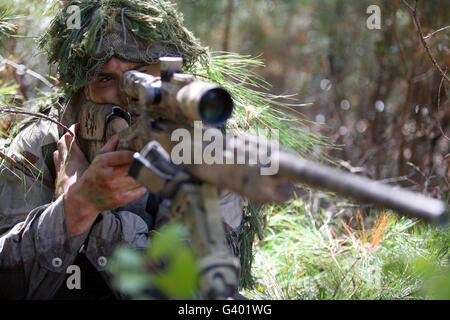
(378, 255)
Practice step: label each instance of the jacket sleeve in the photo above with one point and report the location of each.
(23, 190)
(38, 251)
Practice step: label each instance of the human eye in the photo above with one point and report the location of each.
(105, 79)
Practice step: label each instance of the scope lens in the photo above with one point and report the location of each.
(216, 107)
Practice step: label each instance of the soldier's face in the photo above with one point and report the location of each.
(105, 87)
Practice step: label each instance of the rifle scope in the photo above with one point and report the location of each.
(215, 106)
(179, 95)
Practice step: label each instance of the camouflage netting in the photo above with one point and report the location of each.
(132, 30)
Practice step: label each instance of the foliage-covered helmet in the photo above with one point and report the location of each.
(138, 31)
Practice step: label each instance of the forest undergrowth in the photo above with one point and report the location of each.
(334, 254)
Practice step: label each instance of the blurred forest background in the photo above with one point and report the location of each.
(374, 93)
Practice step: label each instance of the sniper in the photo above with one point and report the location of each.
(77, 210)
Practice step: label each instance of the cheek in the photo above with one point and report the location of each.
(104, 95)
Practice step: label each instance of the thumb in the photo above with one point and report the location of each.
(111, 144)
(74, 128)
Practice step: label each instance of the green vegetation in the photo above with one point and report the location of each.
(6, 27)
(168, 265)
(326, 255)
(319, 256)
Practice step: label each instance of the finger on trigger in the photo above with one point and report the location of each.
(127, 183)
(134, 194)
(121, 171)
(118, 158)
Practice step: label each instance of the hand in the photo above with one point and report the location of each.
(105, 185)
(70, 162)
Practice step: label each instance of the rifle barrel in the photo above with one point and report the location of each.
(363, 189)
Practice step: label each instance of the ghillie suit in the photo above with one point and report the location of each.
(142, 31)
